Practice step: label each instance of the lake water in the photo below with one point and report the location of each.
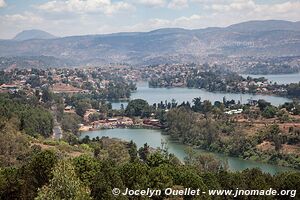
(154, 138)
(278, 78)
(156, 95)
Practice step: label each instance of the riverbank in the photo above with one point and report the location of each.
(155, 137)
(278, 78)
(261, 159)
(118, 123)
(264, 158)
(259, 92)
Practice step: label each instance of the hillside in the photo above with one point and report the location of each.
(270, 38)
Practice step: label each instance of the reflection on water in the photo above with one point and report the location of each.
(154, 137)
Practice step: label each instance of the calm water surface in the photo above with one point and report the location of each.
(278, 78)
(156, 95)
(154, 138)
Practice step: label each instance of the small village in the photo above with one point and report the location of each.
(93, 79)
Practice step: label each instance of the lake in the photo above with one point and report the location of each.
(156, 95)
(278, 78)
(154, 138)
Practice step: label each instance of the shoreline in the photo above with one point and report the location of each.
(204, 149)
(228, 92)
(138, 126)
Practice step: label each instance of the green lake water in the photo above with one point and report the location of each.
(155, 137)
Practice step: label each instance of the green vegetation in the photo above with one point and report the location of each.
(218, 133)
(293, 90)
(70, 122)
(138, 107)
(46, 175)
(33, 120)
(34, 166)
(64, 184)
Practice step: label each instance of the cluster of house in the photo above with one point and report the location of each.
(62, 80)
(112, 123)
(115, 122)
(9, 88)
(178, 72)
(259, 86)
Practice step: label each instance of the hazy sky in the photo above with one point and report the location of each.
(77, 17)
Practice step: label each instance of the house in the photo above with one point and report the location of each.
(152, 122)
(231, 112)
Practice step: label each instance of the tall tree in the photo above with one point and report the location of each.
(64, 185)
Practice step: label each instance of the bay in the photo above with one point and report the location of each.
(156, 95)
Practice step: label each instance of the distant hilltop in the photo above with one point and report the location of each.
(255, 39)
(33, 34)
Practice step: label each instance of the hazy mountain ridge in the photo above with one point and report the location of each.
(32, 35)
(255, 38)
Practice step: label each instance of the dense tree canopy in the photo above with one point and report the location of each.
(34, 120)
(137, 107)
(64, 185)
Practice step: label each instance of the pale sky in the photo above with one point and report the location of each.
(80, 17)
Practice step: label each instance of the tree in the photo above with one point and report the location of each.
(82, 106)
(38, 171)
(35, 121)
(269, 112)
(144, 152)
(262, 104)
(34, 81)
(135, 175)
(47, 96)
(188, 178)
(10, 183)
(159, 178)
(190, 155)
(105, 179)
(202, 162)
(274, 135)
(197, 104)
(136, 107)
(132, 150)
(288, 181)
(94, 117)
(64, 185)
(13, 144)
(86, 168)
(70, 122)
(156, 159)
(206, 107)
(256, 179)
(70, 138)
(207, 163)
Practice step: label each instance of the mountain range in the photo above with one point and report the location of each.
(33, 34)
(271, 38)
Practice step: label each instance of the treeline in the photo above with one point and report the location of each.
(214, 81)
(32, 119)
(46, 175)
(293, 90)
